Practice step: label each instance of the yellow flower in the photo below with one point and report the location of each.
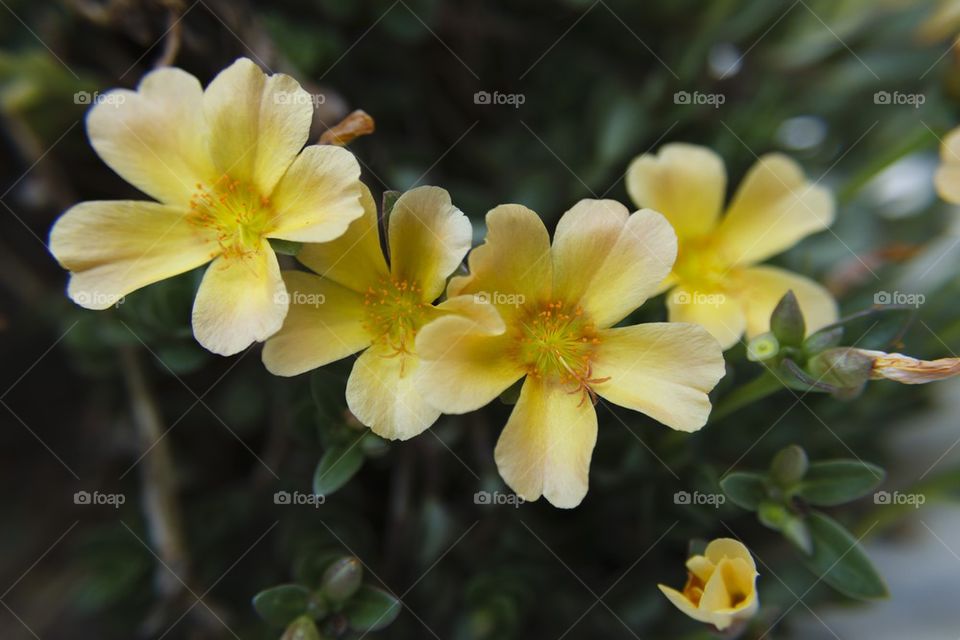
(556, 306)
(947, 178)
(908, 370)
(227, 170)
(714, 281)
(359, 301)
(721, 585)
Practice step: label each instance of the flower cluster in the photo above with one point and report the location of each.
(228, 170)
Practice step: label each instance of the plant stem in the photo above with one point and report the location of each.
(757, 389)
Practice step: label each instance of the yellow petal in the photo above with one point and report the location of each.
(258, 123)
(700, 567)
(610, 261)
(546, 447)
(464, 357)
(719, 313)
(354, 259)
(681, 602)
(155, 137)
(113, 248)
(774, 208)
(318, 197)
(324, 324)
(241, 300)
(721, 548)
(664, 370)
(428, 239)
(381, 394)
(514, 259)
(764, 286)
(947, 178)
(684, 182)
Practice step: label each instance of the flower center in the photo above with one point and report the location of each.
(700, 262)
(235, 210)
(395, 312)
(556, 341)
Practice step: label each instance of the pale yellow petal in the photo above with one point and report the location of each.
(664, 370)
(514, 259)
(721, 548)
(719, 313)
(682, 603)
(764, 286)
(715, 603)
(947, 178)
(611, 261)
(355, 259)
(774, 208)
(428, 238)
(318, 197)
(546, 447)
(114, 247)
(324, 324)
(685, 182)
(156, 137)
(241, 300)
(465, 357)
(258, 123)
(382, 395)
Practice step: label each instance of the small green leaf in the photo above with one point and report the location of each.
(786, 321)
(840, 562)
(745, 489)
(281, 604)
(795, 530)
(789, 466)
(285, 247)
(342, 579)
(773, 515)
(835, 482)
(336, 467)
(302, 628)
(826, 338)
(796, 378)
(371, 609)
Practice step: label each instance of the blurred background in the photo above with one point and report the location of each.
(540, 103)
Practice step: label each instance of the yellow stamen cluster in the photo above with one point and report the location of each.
(556, 342)
(701, 262)
(237, 211)
(395, 312)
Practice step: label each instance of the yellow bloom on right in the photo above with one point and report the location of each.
(721, 585)
(716, 281)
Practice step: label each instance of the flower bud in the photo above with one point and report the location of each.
(342, 579)
(763, 347)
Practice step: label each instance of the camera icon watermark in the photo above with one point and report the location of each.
(698, 297)
(697, 97)
(496, 98)
(499, 298)
(299, 97)
(96, 498)
(715, 500)
(899, 298)
(915, 500)
(897, 98)
(298, 498)
(497, 498)
(114, 98)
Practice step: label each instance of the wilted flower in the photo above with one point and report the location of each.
(907, 370)
(360, 303)
(947, 178)
(721, 585)
(226, 167)
(554, 312)
(714, 281)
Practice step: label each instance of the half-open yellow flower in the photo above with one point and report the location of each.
(715, 281)
(556, 309)
(226, 167)
(947, 177)
(360, 302)
(721, 585)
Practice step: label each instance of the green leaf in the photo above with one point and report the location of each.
(371, 609)
(786, 321)
(285, 247)
(795, 530)
(281, 604)
(823, 339)
(302, 628)
(835, 482)
(840, 562)
(342, 579)
(745, 489)
(336, 467)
